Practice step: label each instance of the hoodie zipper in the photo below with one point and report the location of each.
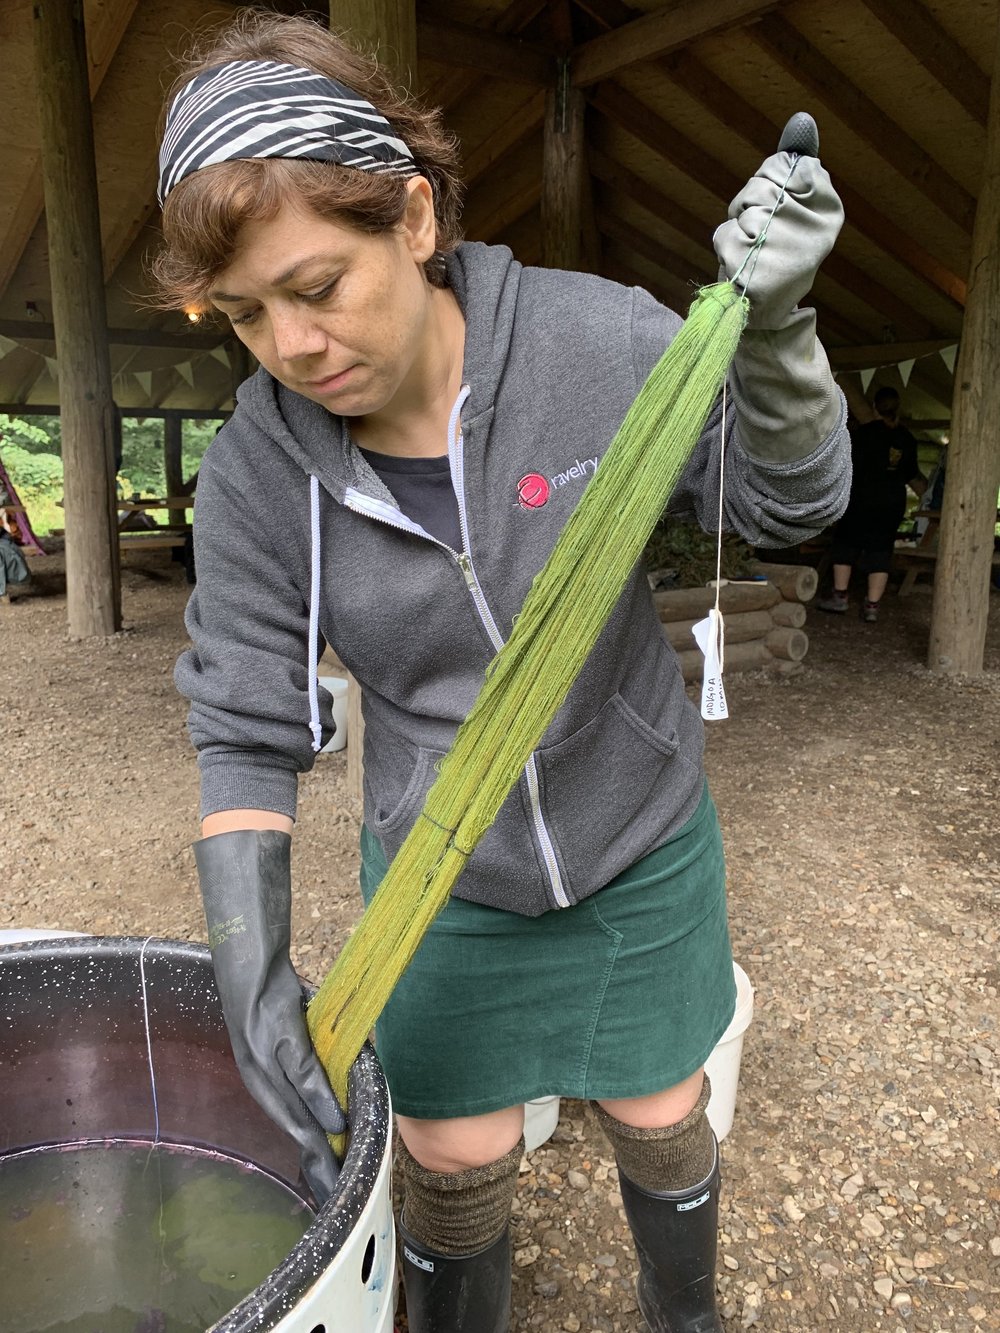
(384, 513)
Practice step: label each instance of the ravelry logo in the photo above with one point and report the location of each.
(533, 490)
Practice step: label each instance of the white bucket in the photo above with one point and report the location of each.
(337, 686)
(723, 1065)
(540, 1119)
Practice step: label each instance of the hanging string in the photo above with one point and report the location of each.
(752, 254)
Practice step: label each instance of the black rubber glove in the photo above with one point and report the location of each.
(246, 886)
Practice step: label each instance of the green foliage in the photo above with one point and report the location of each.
(31, 472)
(31, 448)
(36, 435)
(691, 553)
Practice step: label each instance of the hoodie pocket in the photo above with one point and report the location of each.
(398, 784)
(608, 792)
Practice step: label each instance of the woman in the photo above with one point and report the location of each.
(424, 420)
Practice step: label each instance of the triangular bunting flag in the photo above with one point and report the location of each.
(905, 371)
(866, 379)
(186, 373)
(6, 345)
(145, 378)
(53, 367)
(221, 353)
(948, 357)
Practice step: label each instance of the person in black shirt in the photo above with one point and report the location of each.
(884, 458)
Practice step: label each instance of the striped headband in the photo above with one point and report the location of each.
(260, 108)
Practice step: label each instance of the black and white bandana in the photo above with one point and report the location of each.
(260, 108)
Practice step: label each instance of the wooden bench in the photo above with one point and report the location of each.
(920, 560)
(149, 540)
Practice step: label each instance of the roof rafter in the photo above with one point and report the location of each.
(457, 83)
(715, 95)
(104, 36)
(935, 48)
(718, 97)
(855, 109)
(663, 139)
(504, 57)
(515, 128)
(652, 35)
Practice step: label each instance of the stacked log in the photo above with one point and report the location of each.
(764, 620)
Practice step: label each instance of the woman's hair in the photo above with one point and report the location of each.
(202, 216)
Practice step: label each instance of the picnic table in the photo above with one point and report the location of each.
(172, 534)
(921, 557)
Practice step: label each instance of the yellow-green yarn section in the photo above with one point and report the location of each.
(565, 610)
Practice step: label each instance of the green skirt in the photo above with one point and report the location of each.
(623, 995)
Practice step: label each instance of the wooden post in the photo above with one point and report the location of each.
(968, 511)
(239, 364)
(173, 439)
(93, 592)
(389, 27)
(569, 233)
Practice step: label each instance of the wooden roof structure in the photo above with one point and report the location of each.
(660, 110)
(682, 101)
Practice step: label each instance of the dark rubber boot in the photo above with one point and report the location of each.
(676, 1236)
(456, 1293)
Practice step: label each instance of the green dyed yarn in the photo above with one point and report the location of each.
(564, 612)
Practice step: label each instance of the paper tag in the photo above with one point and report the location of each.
(709, 635)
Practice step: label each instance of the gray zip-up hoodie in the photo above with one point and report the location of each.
(290, 521)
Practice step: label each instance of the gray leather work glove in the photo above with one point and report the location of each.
(785, 395)
(246, 887)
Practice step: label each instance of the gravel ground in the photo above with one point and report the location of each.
(858, 801)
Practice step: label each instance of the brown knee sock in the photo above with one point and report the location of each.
(668, 1160)
(459, 1212)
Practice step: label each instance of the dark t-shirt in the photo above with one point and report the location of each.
(422, 488)
(884, 460)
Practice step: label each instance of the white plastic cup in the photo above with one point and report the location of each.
(337, 686)
(723, 1065)
(540, 1119)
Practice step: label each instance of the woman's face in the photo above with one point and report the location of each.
(337, 315)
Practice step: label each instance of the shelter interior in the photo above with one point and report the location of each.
(678, 103)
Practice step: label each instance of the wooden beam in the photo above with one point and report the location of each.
(652, 35)
(388, 27)
(968, 514)
(665, 210)
(631, 240)
(719, 98)
(619, 267)
(31, 330)
(506, 194)
(93, 592)
(173, 443)
(916, 28)
(672, 215)
(458, 83)
(568, 229)
(885, 354)
(132, 413)
(110, 21)
(503, 211)
(461, 44)
(663, 139)
(787, 47)
(514, 129)
(753, 127)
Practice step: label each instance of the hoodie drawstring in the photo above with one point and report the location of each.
(314, 723)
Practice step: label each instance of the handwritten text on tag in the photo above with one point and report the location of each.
(709, 635)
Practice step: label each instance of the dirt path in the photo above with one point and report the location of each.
(858, 801)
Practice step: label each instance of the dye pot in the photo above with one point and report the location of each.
(124, 1121)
